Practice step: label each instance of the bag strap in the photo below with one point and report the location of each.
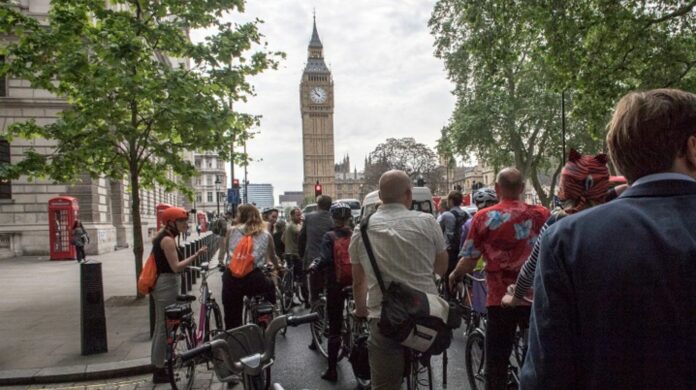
(368, 247)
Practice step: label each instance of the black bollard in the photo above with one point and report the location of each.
(93, 324)
(182, 289)
(189, 273)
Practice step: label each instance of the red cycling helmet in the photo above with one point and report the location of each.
(174, 213)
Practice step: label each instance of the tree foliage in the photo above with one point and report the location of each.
(405, 154)
(511, 61)
(140, 92)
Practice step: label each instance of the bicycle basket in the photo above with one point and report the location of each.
(240, 342)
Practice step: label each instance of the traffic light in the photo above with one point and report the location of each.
(235, 183)
(317, 189)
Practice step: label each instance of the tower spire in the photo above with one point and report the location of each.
(315, 41)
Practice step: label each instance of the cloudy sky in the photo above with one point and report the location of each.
(387, 83)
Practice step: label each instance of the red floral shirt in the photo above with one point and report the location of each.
(504, 235)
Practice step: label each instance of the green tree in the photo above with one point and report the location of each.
(511, 61)
(140, 92)
(405, 154)
(599, 50)
(506, 109)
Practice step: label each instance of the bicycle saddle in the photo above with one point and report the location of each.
(347, 290)
(185, 298)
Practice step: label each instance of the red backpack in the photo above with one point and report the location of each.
(344, 270)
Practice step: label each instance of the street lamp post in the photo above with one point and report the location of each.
(217, 193)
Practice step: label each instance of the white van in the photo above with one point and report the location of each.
(422, 201)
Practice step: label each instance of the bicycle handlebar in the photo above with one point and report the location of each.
(272, 330)
(303, 319)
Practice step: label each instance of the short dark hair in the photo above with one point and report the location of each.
(324, 202)
(454, 199)
(294, 211)
(649, 130)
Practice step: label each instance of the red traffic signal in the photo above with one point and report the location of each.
(317, 189)
(235, 183)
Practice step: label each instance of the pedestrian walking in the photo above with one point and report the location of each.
(80, 239)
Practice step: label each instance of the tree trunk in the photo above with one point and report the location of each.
(137, 224)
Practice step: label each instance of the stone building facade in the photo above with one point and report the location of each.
(105, 204)
(210, 195)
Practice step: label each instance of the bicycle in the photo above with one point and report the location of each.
(257, 309)
(474, 351)
(419, 372)
(183, 331)
(287, 286)
(247, 351)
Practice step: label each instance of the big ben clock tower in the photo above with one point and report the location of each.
(317, 106)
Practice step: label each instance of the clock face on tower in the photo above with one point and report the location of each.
(318, 95)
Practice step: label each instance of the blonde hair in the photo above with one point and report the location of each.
(250, 217)
(649, 130)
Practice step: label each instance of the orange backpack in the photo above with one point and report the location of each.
(242, 259)
(148, 276)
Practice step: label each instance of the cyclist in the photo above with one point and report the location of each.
(270, 216)
(451, 222)
(166, 289)
(335, 257)
(584, 183)
(504, 234)
(290, 239)
(485, 197)
(234, 288)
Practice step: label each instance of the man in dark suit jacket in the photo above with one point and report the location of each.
(615, 289)
(315, 225)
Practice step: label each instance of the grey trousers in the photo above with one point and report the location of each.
(164, 294)
(386, 360)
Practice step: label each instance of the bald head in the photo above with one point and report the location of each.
(509, 184)
(395, 187)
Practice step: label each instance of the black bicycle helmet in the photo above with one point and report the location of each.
(340, 210)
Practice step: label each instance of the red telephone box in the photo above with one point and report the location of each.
(202, 221)
(62, 213)
(160, 208)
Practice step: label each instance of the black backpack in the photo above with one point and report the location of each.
(460, 219)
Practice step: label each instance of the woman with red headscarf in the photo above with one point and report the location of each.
(584, 183)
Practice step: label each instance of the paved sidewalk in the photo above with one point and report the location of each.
(40, 320)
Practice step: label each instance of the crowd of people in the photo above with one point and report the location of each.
(611, 271)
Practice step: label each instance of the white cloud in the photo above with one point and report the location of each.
(387, 81)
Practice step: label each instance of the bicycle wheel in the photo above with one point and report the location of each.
(420, 375)
(320, 327)
(181, 375)
(474, 359)
(247, 312)
(216, 317)
(286, 290)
